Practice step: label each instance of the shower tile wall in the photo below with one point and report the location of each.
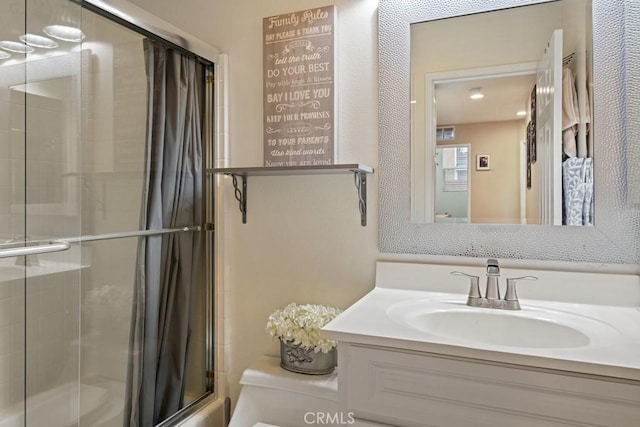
(6, 289)
(51, 326)
(9, 356)
(11, 149)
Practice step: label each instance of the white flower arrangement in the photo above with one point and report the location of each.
(300, 325)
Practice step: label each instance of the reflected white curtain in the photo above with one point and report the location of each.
(167, 265)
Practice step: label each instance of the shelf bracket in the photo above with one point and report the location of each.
(241, 194)
(360, 179)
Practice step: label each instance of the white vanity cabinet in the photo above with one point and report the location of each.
(411, 388)
(412, 353)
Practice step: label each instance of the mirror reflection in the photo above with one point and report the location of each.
(53, 145)
(501, 117)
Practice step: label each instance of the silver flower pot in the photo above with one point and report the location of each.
(305, 361)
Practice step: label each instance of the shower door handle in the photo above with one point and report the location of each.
(33, 247)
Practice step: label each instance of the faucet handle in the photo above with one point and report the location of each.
(511, 294)
(474, 288)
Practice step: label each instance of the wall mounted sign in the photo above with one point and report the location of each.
(299, 88)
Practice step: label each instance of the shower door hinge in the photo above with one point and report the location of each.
(209, 226)
(210, 375)
(210, 79)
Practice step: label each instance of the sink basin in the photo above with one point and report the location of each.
(531, 327)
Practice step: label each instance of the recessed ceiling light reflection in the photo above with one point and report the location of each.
(63, 32)
(476, 93)
(38, 41)
(4, 55)
(16, 47)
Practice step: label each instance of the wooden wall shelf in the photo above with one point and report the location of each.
(360, 172)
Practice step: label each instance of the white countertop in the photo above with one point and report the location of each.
(368, 322)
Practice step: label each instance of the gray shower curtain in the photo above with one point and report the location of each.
(167, 265)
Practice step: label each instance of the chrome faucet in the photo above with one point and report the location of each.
(491, 297)
(492, 292)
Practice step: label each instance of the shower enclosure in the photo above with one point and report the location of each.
(76, 167)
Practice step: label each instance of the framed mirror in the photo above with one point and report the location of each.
(614, 238)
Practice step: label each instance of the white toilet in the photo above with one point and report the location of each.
(272, 396)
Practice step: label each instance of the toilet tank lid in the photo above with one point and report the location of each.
(266, 372)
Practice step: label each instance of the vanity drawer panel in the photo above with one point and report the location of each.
(420, 389)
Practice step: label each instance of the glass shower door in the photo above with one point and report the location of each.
(39, 203)
(73, 156)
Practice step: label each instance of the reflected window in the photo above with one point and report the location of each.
(455, 161)
(445, 133)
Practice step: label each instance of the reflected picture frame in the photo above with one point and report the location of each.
(483, 162)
